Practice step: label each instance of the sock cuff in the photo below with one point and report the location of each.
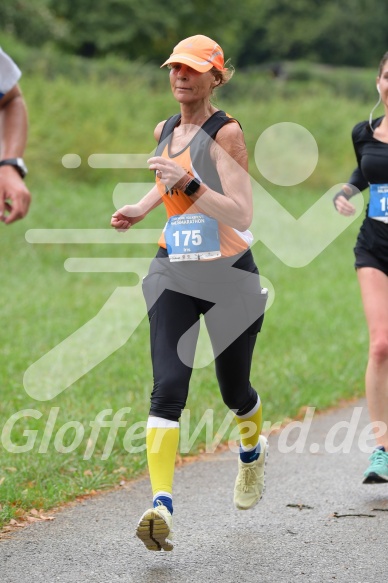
(250, 455)
(256, 448)
(252, 411)
(165, 500)
(161, 493)
(380, 448)
(155, 422)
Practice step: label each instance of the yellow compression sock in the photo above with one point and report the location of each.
(162, 444)
(250, 426)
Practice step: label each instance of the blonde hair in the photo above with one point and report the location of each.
(225, 75)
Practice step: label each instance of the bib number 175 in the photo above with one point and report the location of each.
(187, 238)
(192, 237)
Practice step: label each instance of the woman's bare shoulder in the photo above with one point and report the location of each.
(231, 139)
(158, 130)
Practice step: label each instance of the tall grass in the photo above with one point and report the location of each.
(313, 344)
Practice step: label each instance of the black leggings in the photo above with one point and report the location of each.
(175, 296)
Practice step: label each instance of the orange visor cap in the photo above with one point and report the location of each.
(198, 52)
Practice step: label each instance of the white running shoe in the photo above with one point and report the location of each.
(154, 529)
(249, 486)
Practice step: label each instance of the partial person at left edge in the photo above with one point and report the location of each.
(15, 197)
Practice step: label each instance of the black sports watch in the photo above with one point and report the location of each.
(192, 186)
(17, 163)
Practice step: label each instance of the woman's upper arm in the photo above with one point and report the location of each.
(231, 139)
(13, 93)
(231, 159)
(158, 130)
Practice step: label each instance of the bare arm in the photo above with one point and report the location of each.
(14, 195)
(130, 214)
(14, 124)
(235, 208)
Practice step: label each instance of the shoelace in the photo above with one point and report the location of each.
(247, 478)
(379, 457)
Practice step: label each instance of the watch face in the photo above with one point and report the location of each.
(192, 187)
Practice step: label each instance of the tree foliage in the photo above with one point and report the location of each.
(148, 29)
(32, 21)
(350, 32)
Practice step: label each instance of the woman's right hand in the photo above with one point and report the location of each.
(126, 217)
(341, 201)
(343, 206)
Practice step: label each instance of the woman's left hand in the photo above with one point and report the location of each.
(168, 172)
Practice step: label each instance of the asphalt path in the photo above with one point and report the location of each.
(317, 522)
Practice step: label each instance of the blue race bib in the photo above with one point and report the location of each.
(192, 237)
(378, 203)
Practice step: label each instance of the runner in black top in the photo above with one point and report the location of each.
(370, 139)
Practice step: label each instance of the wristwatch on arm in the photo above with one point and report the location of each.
(192, 186)
(17, 163)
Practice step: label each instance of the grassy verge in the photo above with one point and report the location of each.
(313, 345)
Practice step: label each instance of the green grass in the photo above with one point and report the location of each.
(312, 348)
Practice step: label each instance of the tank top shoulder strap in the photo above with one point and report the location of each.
(216, 122)
(200, 146)
(210, 127)
(167, 130)
(203, 139)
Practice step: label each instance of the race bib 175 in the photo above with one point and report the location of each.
(192, 237)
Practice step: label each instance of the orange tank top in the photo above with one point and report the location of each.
(191, 158)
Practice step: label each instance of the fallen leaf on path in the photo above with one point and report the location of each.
(300, 506)
(45, 518)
